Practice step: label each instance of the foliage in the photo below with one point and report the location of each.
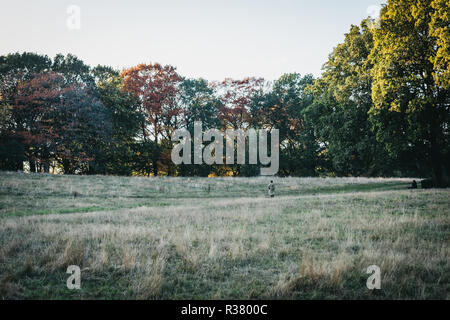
(380, 107)
(156, 88)
(410, 84)
(339, 112)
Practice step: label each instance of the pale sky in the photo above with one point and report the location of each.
(202, 38)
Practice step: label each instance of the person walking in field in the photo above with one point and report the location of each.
(271, 189)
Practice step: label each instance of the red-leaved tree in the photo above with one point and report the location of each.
(157, 89)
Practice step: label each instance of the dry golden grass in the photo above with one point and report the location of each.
(310, 244)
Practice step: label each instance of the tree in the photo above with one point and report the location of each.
(33, 112)
(283, 108)
(198, 103)
(74, 70)
(410, 84)
(440, 31)
(58, 121)
(37, 100)
(236, 98)
(117, 154)
(83, 124)
(11, 147)
(342, 101)
(156, 87)
(15, 69)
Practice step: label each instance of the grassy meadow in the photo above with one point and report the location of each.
(221, 238)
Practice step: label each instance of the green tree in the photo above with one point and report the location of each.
(283, 108)
(74, 70)
(15, 69)
(116, 154)
(82, 125)
(198, 103)
(410, 84)
(342, 101)
(440, 31)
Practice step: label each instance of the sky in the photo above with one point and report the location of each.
(202, 38)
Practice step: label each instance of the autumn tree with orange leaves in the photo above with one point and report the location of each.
(157, 88)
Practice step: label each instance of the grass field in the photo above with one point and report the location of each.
(221, 238)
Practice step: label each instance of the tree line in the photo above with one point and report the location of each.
(380, 108)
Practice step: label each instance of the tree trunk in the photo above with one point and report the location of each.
(438, 172)
(32, 166)
(46, 167)
(438, 162)
(67, 167)
(20, 166)
(155, 166)
(156, 156)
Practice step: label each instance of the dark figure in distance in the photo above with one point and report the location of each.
(413, 185)
(271, 189)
